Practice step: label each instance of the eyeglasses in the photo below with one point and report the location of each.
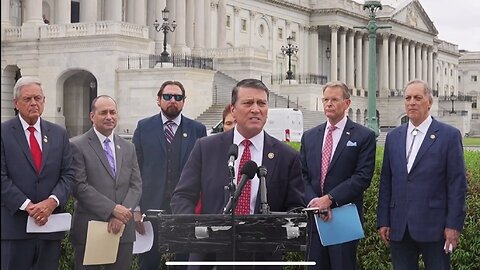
(333, 100)
(167, 97)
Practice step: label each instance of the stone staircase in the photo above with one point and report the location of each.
(223, 85)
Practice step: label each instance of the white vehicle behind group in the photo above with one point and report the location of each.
(285, 124)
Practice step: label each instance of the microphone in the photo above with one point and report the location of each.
(262, 173)
(232, 155)
(248, 172)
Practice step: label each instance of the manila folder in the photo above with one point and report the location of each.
(101, 246)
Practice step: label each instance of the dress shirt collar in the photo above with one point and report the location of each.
(423, 127)
(25, 125)
(177, 120)
(102, 137)
(339, 126)
(257, 140)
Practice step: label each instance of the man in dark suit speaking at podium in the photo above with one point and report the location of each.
(206, 171)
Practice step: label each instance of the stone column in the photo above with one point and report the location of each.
(313, 57)
(222, 24)
(140, 12)
(350, 60)
(334, 52)
(199, 39)
(33, 12)
(406, 64)
(412, 60)
(424, 63)
(430, 68)
(113, 10)
(392, 70)
(365, 62)
(399, 69)
(180, 16)
(171, 36)
(63, 12)
(88, 11)
(130, 16)
(190, 23)
(5, 13)
(384, 64)
(343, 55)
(208, 24)
(418, 61)
(358, 64)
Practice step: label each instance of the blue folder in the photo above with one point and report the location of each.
(344, 226)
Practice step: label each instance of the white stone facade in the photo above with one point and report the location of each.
(84, 54)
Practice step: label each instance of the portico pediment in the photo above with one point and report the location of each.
(411, 13)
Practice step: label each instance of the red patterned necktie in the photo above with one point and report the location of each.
(327, 153)
(243, 205)
(35, 149)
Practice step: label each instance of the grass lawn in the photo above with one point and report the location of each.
(471, 141)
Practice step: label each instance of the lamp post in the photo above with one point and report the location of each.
(453, 97)
(373, 7)
(289, 50)
(165, 27)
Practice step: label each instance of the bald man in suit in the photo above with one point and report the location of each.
(108, 184)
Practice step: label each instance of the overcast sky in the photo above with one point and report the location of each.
(457, 21)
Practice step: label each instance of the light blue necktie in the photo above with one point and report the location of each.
(109, 154)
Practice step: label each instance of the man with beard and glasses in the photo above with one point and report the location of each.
(163, 143)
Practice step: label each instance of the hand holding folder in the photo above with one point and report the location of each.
(344, 226)
(101, 246)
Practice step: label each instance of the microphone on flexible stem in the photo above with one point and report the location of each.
(232, 156)
(248, 172)
(262, 173)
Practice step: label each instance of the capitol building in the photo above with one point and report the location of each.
(84, 48)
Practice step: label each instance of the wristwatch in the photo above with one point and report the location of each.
(331, 198)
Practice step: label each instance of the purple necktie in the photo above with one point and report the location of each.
(109, 154)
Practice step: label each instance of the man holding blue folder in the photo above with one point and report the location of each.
(338, 160)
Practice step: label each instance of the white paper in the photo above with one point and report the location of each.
(56, 223)
(143, 243)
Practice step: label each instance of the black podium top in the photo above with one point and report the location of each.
(213, 233)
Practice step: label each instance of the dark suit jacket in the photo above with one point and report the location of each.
(149, 140)
(97, 191)
(351, 168)
(21, 181)
(430, 197)
(206, 171)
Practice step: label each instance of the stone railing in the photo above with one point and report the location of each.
(237, 52)
(12, 33)
(80, 30)
(92, 29)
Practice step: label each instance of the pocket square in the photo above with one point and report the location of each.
(350, 143)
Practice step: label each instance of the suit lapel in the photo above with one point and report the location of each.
(118, 154)
(187, 132)
(347, 132)
(318, 150)
(98, 149)
(427, 142)
(269, 160)
(158, 125)
(44, 141)
(19, 135)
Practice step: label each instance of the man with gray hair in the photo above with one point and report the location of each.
(421, 200)
(37, 178)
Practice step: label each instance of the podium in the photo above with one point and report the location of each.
(218, 234)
